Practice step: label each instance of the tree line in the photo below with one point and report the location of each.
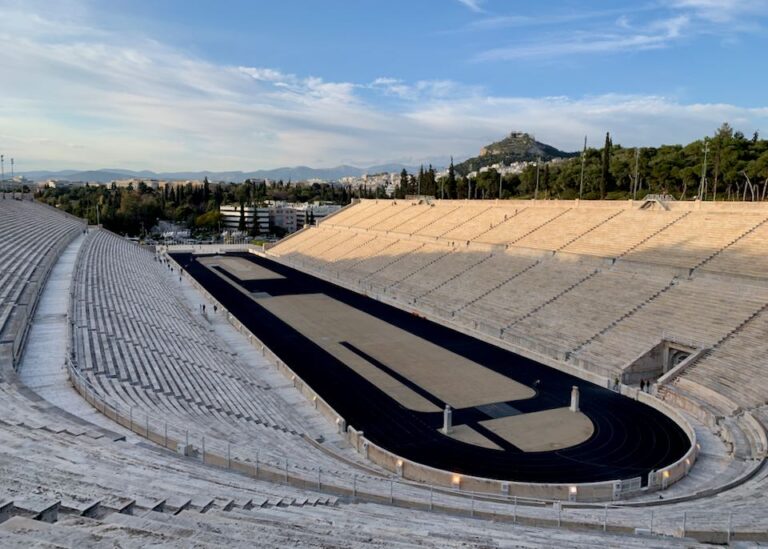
(135, 210)
(726, 166)
(736, 169)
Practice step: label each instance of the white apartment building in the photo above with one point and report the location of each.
(230, 216)
(289, 216)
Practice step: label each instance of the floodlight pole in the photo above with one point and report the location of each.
(536, 191)
(2, 171)
(500, 178)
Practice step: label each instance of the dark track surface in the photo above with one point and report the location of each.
(630, 439)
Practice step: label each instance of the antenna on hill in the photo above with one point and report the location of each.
(583, 160)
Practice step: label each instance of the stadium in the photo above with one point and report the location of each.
(405, 372)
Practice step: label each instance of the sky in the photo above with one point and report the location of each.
(180, 85)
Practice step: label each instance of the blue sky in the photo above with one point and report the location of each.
(178, 85)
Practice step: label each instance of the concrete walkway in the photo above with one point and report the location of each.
(42, 367)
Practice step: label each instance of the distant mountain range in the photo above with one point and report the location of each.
(517, 147)
(297, 173)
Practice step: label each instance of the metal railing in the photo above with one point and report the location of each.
(261, 465)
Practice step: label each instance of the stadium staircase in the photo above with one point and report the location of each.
(354, 249)
(551, 299)
(454, 277)
(431, 222)
(496, 287)
(626, 315)
(395, 260)
(653, 235)
(728, 245)
(531, 231)
(575, 238)
(419, 269)
(468, 220)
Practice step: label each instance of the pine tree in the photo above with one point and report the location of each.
(451, 180)
(605, 175)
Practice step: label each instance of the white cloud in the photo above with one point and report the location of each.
(657, 34)
(721, 11)
(563, 121)
(82, 97)
(474, 5)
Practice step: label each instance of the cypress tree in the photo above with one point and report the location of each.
(402, 190)
(605, 175)
(451, 180)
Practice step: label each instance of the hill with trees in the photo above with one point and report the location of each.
(516, 147)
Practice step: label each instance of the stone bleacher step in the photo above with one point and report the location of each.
(89, 508)
(518, 239)
(652, 235)
(626, 315)
(119, 504)
(552, 299)
(354, 249)
(418, 270)
(603, 222)
(729, 244)
(396, 259)
(35, 533)
(6, 508)
(454, 277)
(741, 326)
(176, 505)
(174, 530)
(499, 285)
(36, 508)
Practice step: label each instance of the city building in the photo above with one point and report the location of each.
(287, 216)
